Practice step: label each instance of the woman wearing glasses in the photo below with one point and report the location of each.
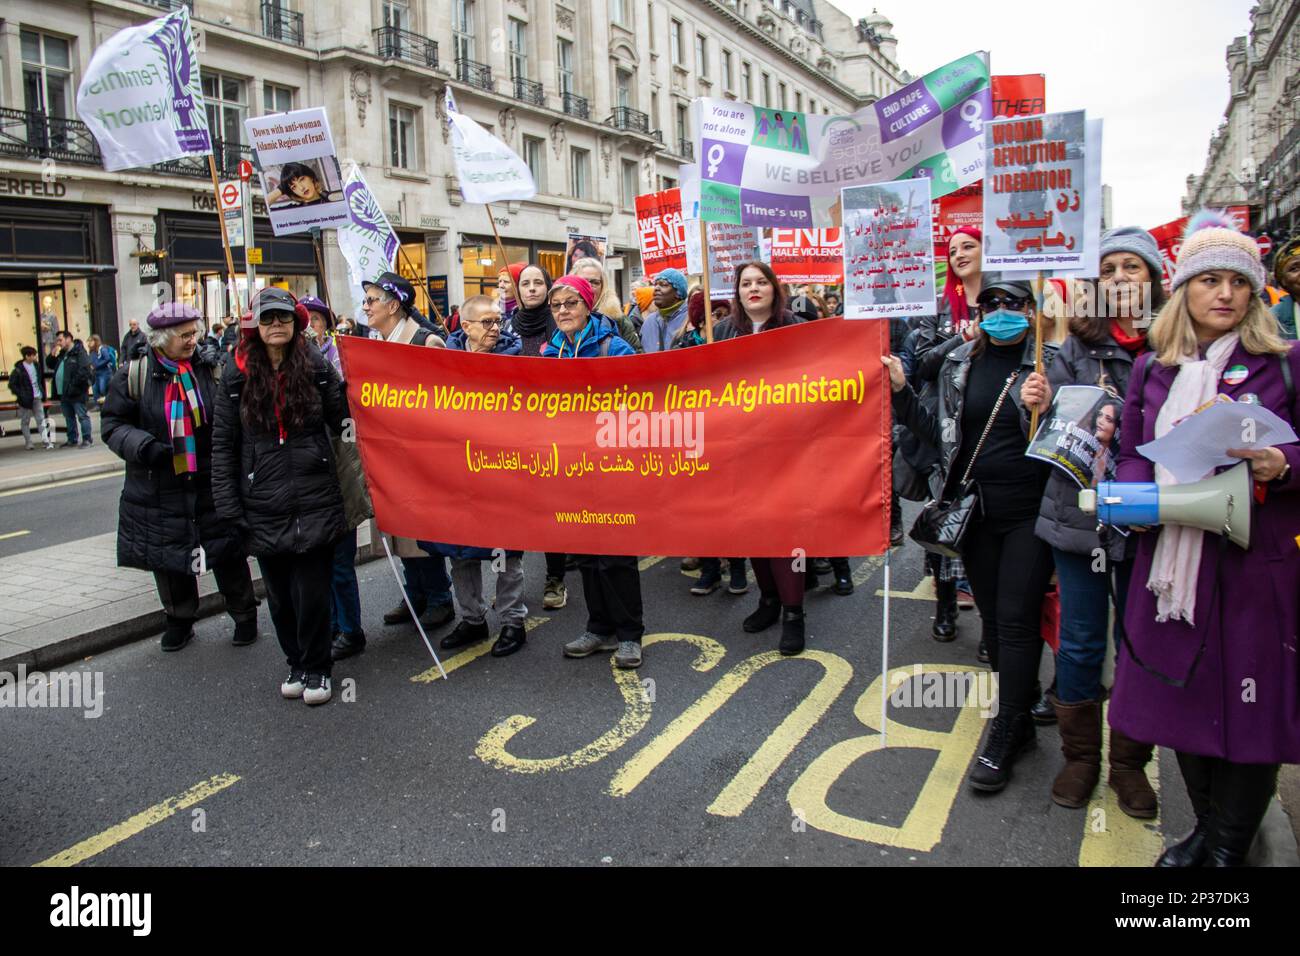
(273, 478)
(979, 394)
(611, 584)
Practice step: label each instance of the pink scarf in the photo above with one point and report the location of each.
(1176, 567)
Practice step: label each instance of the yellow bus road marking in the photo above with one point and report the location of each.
(922, 592)
(867, 568)
(645, 564)
(472, 654)
(62, 484)
(1110, 836)
(141, 821)
(13, 534)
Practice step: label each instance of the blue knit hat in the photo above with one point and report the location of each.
(1136, 240)
(674, 278)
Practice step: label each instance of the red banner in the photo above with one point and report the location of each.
(659, 228)
(1169, 238)
(808, 255)
(1024, 95)
(758, 446)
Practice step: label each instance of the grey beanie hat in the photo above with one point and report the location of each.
(1137, 241)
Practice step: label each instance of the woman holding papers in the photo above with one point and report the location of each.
(1209, 667)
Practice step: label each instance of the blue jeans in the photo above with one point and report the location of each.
(427, 583)
(345, 597)
(102, 378)
(1085, 613)
(75, 413)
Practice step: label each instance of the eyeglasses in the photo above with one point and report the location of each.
(372, 300)
(271, 318)
(486, 323)
(569, 305)
(995, 302)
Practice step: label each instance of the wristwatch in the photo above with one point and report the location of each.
(1286, 473)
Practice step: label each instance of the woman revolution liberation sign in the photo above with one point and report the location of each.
(766, 167)
(141, 95)
(765, 445)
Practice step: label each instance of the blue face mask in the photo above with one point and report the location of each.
(1003, 325)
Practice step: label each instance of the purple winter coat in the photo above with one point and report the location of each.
(1251, 627)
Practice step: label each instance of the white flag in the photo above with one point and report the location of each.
(141, 95)
(366, 240)
(488, 169)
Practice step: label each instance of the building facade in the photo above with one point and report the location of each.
(593, 94)
(1254, 155)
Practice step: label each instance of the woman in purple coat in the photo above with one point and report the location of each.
(1210, 667)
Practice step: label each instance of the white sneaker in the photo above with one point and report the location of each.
(628, 655)
(589, 644)
(318, 689)
(294, 685)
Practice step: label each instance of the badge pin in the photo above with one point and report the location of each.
(1235, 375)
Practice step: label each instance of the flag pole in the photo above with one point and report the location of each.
(317, 246)
(502, 250)
(225, 237)
(704, 282)
(1038, 348)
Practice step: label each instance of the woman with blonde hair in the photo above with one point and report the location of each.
(1204, 619)
(607, 303)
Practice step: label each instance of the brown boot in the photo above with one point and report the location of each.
(1080, 727)
(1128, 760)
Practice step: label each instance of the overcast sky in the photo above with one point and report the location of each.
(1154, 70)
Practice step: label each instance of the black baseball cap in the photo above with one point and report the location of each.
(397, 287)
(1013, 287)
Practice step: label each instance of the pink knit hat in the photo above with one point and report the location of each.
(578, 285)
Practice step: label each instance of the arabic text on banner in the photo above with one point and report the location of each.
(632, 455)
(888, 251)
(769, 167)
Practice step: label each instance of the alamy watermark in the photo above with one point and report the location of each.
(78, 690)
(922, 688)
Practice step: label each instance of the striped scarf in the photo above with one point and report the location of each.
(183, 409)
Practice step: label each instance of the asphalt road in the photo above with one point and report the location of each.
(716, 751)
(58, 513)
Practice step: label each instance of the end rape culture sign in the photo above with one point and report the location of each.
(632, 455)
(766, 167)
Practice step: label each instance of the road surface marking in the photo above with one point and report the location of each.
(1110, 836)
(645, 564)
(141, 821)
(922, 592)
(13, 534)
(62, 484)
(472, 654)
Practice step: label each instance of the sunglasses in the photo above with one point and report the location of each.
(995, 302)
(271, 318)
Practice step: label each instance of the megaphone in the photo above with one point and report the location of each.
(1220, 504)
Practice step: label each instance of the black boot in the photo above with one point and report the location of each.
(792, 631)
(511, 639)
(177, 635)
(1241, 794)
(1010, 734)
(945, 612)
(464, 635)
(1044, 711)
(843, 576)
(347, 645)
(769, 611)
(1193, 849)
(245, 633)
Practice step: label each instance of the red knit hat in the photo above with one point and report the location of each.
(578, 285)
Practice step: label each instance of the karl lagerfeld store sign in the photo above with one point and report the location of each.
(22, 186)
(208, 203)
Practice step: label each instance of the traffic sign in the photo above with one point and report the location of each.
(254, 255)
(1265, 244)
(229, 193)
(245, 170)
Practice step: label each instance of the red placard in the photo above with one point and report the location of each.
(1169, 238)
(568, 454)
(660, 231)
(808, 255)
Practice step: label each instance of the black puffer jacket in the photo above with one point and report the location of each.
(284, 497)
(163, 517)
(1082, 362)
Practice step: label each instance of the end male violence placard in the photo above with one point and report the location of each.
(762, 446)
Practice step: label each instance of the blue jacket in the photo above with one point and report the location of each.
(105, 360)
(595, 332)
(1284, 312)
(508, 344)
(659, 328)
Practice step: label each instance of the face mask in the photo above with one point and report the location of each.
(1004, 324)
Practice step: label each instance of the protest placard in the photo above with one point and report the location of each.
(583, 245)
(300, 174)
(768, 167)
(888, 250)
(808, 255)
(1169, 238)
(660, 232)
(1035, 193)
(730, 247)
(1080, 434)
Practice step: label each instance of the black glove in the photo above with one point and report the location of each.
(157, 454)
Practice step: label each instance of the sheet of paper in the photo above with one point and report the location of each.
(1198, 444)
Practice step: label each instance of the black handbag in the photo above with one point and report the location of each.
(941, 525)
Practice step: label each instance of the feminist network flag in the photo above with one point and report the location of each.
(488, 169)
(772, 167)
(366, 240)
(141, 95)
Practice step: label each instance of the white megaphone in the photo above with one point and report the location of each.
(1220, 504)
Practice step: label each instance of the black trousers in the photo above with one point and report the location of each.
(611, 586)
(1231, 797)
(1009, 570)
(555, 564)
(298, 592)
(179, 593)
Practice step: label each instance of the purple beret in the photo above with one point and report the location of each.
(172, 313)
